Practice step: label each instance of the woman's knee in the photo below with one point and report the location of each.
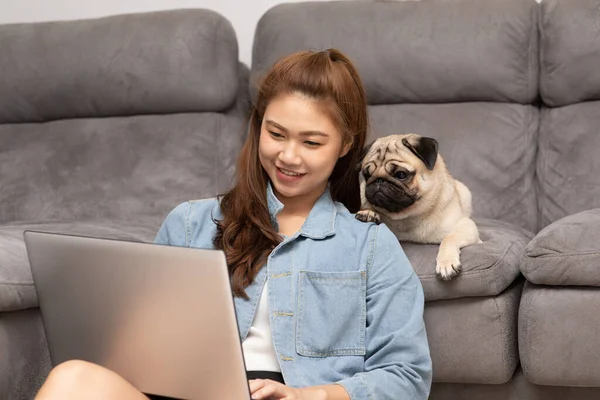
(78, 379)
(70, 379)
(77, 371)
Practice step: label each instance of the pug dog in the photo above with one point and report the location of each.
(404, 183)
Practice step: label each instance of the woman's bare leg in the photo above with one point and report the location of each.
(83, 380)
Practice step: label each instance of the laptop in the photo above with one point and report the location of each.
(162, 317)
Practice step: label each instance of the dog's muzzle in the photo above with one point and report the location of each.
(386, 195)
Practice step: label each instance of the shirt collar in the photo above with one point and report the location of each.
(320, 222)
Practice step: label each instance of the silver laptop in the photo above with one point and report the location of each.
(162, 317)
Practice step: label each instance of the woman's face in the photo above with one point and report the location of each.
(299, 147)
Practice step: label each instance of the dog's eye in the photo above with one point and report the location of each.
(401, 175)
(366, 174)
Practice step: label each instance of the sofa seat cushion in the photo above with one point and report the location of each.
(518, 388)
(558, 335)
(566, 252)
(16, 285)
(474, 340)
(25, 361)
(488, 268)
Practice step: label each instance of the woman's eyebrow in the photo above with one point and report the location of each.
(303, 133)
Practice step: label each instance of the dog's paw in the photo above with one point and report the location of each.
(447, 264)
(368, 216)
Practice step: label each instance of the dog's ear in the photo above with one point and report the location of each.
(425, 148)
(363, 153)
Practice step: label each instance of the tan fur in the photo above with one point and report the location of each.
(440, 215)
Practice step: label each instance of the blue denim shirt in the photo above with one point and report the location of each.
(345, 304)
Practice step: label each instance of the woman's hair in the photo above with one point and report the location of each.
(246, 233)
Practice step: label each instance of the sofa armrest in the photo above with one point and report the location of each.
(566, 252)
(488, 268)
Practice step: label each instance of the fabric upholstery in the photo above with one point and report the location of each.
(474, 339)
(566, 252)
(122, 168)
(518, 388)
(161, 62)
(558, 335)
(415, 52)
(569, 57)
(568, 165)
(25, 360)
(487, 268)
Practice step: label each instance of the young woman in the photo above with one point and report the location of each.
(328, 307)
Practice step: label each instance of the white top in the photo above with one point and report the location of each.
(259, 352)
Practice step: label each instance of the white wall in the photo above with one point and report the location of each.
(243, 14)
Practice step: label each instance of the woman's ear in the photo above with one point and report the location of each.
(346, 149)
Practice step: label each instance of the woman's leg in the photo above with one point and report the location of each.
(83, 380)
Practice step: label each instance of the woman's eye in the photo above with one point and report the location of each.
(312, 144)
(276, 135)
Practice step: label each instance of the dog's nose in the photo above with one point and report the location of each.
(379, 181)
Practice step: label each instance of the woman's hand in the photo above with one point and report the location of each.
(266, 389)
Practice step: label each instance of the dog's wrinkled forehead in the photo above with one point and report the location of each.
(412, 148)
(387, 148)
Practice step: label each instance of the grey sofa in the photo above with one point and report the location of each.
(155, 105)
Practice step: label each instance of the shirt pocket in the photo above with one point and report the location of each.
(331, 315)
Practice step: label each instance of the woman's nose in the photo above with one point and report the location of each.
(289, 154)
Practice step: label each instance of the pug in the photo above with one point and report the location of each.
(404, 183)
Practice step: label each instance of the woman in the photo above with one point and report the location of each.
(346, 308)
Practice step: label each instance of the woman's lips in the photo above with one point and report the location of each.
(288, 176)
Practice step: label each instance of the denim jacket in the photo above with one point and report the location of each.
(345, 304)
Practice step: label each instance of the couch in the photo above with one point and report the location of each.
(109, 123)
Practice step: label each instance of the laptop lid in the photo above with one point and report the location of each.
(162, 317)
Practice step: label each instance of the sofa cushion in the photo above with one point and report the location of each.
(474, 339)
(566, 252)
(415, 52)
(558, 335)
(488, 268)
(160, 62)
(518, 388)
(118, 169)
(568, 166)
(16, 285)
(25, 361)
(569, 57)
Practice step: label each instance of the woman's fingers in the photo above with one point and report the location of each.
(256, 384)
(263, 389)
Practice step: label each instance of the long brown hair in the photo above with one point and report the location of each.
(246, 233)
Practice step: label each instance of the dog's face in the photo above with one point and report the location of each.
(398, 172)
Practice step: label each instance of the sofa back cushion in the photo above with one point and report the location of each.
(118, 118)
(147, 63)
(463, 72)
(568, 165)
